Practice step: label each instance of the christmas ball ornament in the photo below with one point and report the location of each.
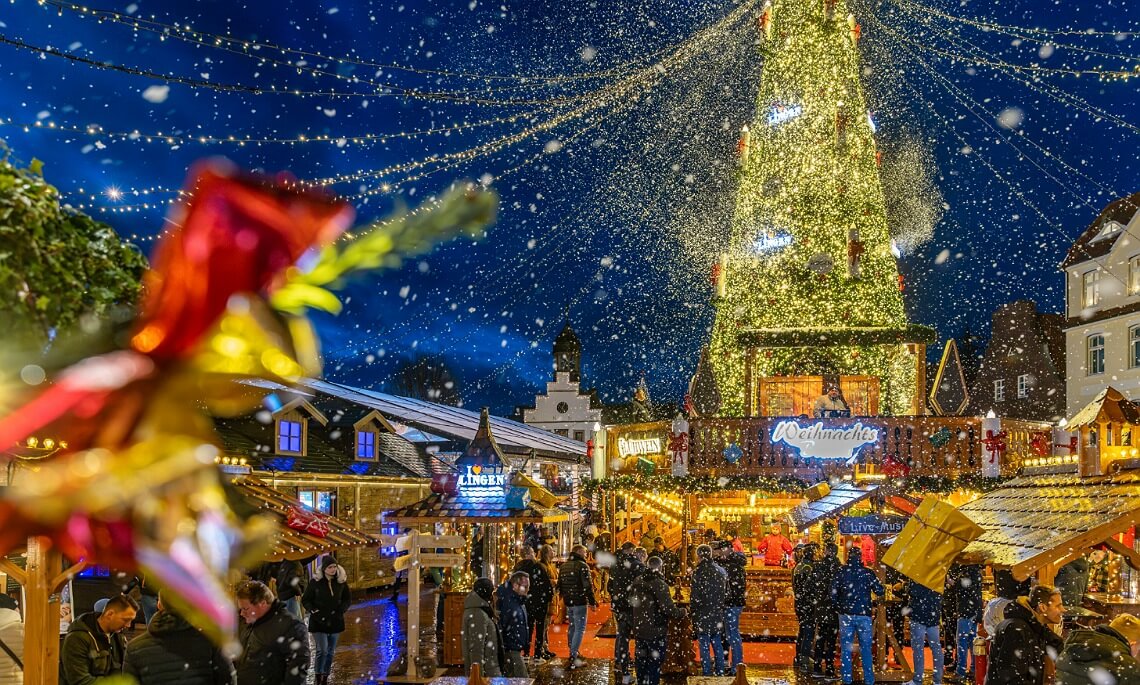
(821, 264)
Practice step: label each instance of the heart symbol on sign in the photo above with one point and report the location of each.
(476, 470)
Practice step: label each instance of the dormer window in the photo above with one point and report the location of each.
(366, 444)
(1110, 228)
(290, 436)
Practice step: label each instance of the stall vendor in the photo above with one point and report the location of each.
(830, 403)
(775, 547)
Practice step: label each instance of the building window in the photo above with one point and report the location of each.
(1023, 386)
(999, 390)
(1090, 282)
(1134, 345)
(323, 501)
(580, 436)
(1095, 347)
(365, 444)
(1134, 275)
(564, 432)
(289, 436)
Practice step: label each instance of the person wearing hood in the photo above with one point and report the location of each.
(173, 652)
(851, 593)
(94, 646)
(627, 567)
(11, 642)
(827, 620)
(577, 592)
(480, 634)
(326, 599)
(1024, 639)
(1105, 654)
(806, 596)
(652, 609)
(710, 583)
(537, 603)
(511, 605)
(274, 645)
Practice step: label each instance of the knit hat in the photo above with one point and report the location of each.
(484, 588)
(1128, 626)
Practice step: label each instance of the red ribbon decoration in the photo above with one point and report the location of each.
(308, 522)
(995, 444)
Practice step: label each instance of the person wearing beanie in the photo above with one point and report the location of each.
(480, 634)
(11, 642)
(326, 599)
(1105, 654)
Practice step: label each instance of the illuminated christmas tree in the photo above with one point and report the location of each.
(808, 291)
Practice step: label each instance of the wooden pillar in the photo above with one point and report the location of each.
(918, 406)
(749, 362)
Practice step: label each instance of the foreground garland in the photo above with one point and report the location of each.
(770, 485)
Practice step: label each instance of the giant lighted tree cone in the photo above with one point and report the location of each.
(810, 251)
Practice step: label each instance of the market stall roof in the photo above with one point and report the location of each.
(514, 438)
(293, 544)
(474, 509)
(1037, 520)
(1110, 406)
(841, 498)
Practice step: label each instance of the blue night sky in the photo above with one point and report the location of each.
(616, 176)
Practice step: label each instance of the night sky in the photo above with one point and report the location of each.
(616, 172)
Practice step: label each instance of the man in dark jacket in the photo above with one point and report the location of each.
(897, 584)
(969, 591)
(827, 619)
(626, 569)
(708, 595)
(733, 563)
(275, 646)
(291, 586)
(94, 646)
(652, 609)
(511, 603)
(1105, 654)
(671, 562)
(1024, 639)
(173, 652)
(851, 592)
(537, 603)
(577, 591)
(925, 620)
(805, 595)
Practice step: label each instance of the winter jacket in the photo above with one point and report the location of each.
(326, 601)
(541, 587)
(1073, 582)
(851, 590)
(825, 571)
(173, 652)
(803, 591)
(626, 569)
(1020, 647)
(290, 580)
(733, 565)
(969, 585)
(480, 637)
(925, 605)
(574, 584)
(512, 618)
(651, 606)
(774, 548)
(274, 650)
(1097, 656)
(12, 633)
(88, 653)
(710, 584)
(670, 564)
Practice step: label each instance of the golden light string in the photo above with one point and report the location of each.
(384, 91)
(924, 19)
(169, 29)
(902, 43)
(958, 95)
(96, 130)
(992, 26)
(1043, 87)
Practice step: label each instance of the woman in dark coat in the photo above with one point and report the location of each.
(326, 599)
(1024, 639)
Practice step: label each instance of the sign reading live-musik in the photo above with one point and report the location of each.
(875, 524)
(823, 442)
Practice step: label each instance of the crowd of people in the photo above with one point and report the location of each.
(275, 633)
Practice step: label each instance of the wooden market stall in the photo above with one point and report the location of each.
(483, 493)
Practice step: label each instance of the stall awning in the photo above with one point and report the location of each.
(288, 543)
(1037, 520)
(841, 498)
(473, 508)
(1110, 406)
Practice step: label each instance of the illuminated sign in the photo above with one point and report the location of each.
(477, 477)
(875, 524)
(636, 447)
(825, 443)
(781, 113)
(770, 242)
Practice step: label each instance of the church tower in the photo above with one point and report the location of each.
(568, 354)
(808, 291)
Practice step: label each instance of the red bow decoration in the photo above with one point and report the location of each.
(894, 468)
(308, 522)
(1039, 443)
(995, 444)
